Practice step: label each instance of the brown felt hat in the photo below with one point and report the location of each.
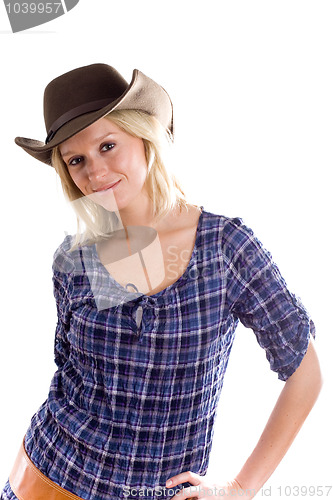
(77, 99)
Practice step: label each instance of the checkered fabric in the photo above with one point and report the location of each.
(134, 397)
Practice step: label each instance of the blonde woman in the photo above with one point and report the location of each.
(149, 293)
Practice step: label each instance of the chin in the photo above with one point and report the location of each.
(109, 202)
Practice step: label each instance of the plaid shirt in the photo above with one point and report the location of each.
(134, 398)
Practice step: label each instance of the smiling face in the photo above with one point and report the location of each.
(107, 164)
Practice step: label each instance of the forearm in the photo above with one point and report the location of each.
(294, 404)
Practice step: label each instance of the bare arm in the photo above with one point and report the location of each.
(293, 405)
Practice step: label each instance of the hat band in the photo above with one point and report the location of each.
(74, 113)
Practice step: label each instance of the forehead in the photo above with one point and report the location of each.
(93, 134)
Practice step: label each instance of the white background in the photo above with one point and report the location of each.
(251, 83)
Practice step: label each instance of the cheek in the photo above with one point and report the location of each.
(135, 164)
(140, 161)
(140, 174)
(77, 179)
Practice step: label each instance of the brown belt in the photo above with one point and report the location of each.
(28, 483)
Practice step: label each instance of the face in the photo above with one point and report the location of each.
(107, 164)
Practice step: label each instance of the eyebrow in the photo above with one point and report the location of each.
(99, 139)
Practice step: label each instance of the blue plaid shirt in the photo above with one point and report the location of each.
(134, 398)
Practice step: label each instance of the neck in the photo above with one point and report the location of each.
(138, 213)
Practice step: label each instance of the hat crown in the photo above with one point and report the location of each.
(79, 87)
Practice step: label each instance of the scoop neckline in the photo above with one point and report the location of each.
(168, 288)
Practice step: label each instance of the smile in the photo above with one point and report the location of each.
(106, 188)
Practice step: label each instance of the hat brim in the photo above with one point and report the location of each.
(142, 94)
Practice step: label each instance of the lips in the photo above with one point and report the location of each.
(106, 187)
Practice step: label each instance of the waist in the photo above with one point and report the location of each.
(29, 483)
(95, 457)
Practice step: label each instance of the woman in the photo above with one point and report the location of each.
(148, 297)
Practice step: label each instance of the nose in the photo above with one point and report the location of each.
(96, 168)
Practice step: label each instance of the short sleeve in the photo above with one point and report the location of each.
(62, 269)
(258, 296)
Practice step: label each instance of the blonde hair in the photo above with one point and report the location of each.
(163, 188)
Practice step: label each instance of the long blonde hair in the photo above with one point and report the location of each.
(163, 188)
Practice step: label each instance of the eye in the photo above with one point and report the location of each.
(108, 146)
(75, 161)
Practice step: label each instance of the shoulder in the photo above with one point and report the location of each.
(233, 235)
(194, 215)
(226, 227)
(64, 257)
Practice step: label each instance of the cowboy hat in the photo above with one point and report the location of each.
(76, 99)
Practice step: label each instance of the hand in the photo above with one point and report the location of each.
(204, 490)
